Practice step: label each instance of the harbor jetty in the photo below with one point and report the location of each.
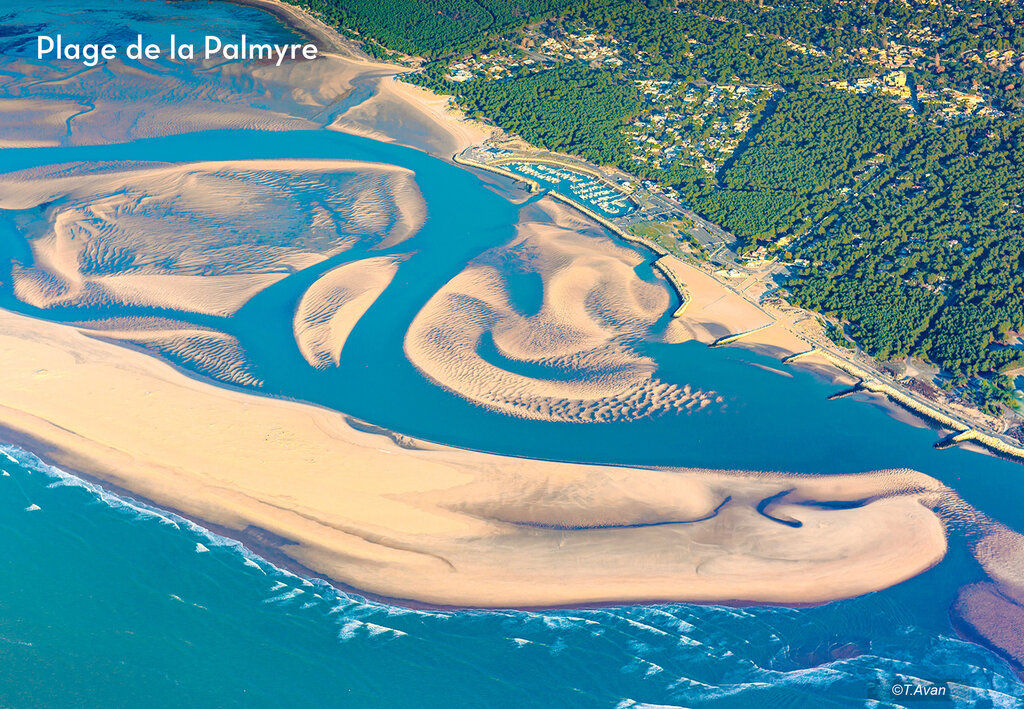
(855, 389)
(736, 336)
(799, 356)
(963, 432)
(533, 185)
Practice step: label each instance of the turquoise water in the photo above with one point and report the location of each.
(106, 603)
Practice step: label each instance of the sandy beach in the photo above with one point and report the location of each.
(428, 523)
(377, 511)
(327, 39)
(453, 527)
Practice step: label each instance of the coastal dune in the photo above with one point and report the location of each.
(558, 344)
(452, 527)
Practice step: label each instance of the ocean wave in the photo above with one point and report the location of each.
(286, 596)
(350, 629)
(61, 478)
(633, 704)
(330, 600)
(729, 652)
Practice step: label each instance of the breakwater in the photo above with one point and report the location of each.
(956, 439)
(963, 431)
(663, 265)
(856, 389)
(729, 339)
(799, 356)
(532, 184)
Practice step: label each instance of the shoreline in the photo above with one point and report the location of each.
(893, 394)
(441, 526)
(460, 132)
(424, 507)
(456, 528)
(872, 385)
(306, 23)
(270, 548)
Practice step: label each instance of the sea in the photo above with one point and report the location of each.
(107, 602)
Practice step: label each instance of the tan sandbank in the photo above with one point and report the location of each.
(447, 526)
(330, 308)
(591, 305)
(203, 237)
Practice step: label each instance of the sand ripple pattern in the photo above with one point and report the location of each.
(201, 237)
(571, 360)
(209, 352)
(334, 304)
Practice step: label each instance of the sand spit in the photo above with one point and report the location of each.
(407, 114)
(566, 357)
(332, 306)
(454, 527)
(200, 237)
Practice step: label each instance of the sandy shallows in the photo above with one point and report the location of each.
(210, 352)
(447, 526)
(334, 304)
(32, 123)
(557, 344)
(43, 104)
(118, 101)
(200, 237)
(994, 610)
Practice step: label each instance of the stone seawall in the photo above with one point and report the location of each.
(964, 431)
